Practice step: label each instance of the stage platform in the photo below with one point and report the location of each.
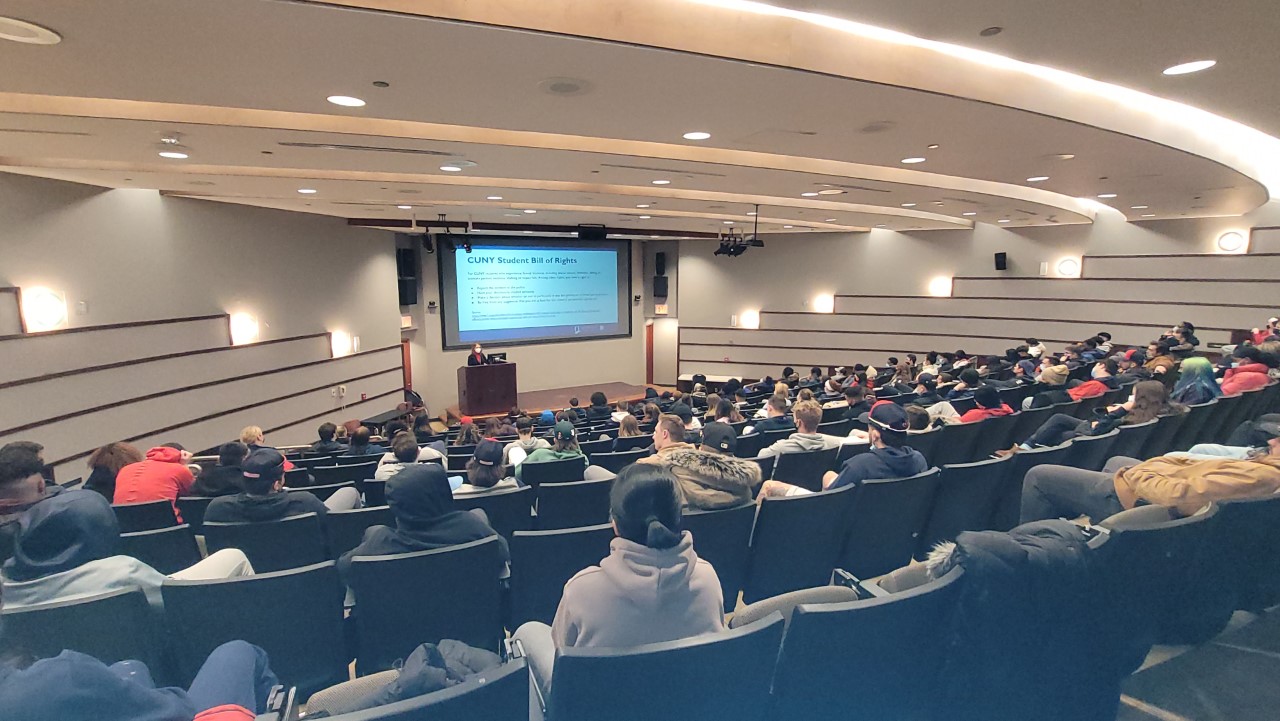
(556, 399)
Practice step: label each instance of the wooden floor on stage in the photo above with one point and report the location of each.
(555, 399)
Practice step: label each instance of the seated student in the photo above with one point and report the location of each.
(264, 497)
(889, 457)
(1035, 348)
(1090, 352)
(1183, 481)
(360, 445)
(485, 471)
(808, 415)
(1196, 383)
(926, 391)
(225, 478)
(495, 426)
(630, 429)
(422, 503)
(66, 548)
(422, 429)
(620, 411)
(21, 487)
(575, 410)
(1250, 372)
(969, 381)
(1160, 362)
(1103, 339)
(710, 476)
(1184, 341)
(233, 684)
(565, 445)
(253, 437)
(327, 444)
(989, 406)
(726, 411)
(524, 441)
(652, 587)
(468, 433)
(599, 409)
(404, 452)
(162, 475)
(394, 430)
(105, 463)
(1149, 400)
(764, 384)
(692, 426)
(775, 419)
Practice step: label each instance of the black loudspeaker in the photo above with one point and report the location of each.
(407, 276)
(660, 286)
(659, 263)
(1002, 261)
(592, 232)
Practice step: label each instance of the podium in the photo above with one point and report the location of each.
(483, 390)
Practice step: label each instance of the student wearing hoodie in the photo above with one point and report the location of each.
(652, 587)
(264, 497)
(66, 548)
(566, 446)
(989, 406)
(808, 415)
(425, 518)
(889, 457)
(524, 441)
(162, 475)
(225, 478)
(1250, 373)
(21, 487)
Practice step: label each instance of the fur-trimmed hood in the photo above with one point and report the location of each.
(711, 480)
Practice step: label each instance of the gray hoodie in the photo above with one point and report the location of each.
(528, 445)
(639, 595)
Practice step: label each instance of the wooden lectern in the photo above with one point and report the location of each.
(483, 390)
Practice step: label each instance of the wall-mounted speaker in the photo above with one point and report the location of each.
(660, 286)
(1002, 261)
(592, 232)
(660, 263)
(407, 276)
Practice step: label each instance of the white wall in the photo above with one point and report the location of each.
(134, 255)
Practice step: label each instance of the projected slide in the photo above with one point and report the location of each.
(503, 292)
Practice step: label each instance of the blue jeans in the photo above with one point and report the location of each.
(236, 673)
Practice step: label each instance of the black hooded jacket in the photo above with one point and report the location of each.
(422, 503)
(63, 532)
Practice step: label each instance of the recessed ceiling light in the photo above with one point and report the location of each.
(728, 222)
(1037, 179)
(307, 191)
(788, 226)
(991, 31)
(494, 197)
(1003, 220)
(1148, 215)
(530, 211)
(451, 168)
(645, 217)
(697, 135)
(1194, 66)
(21, 31)
(1137, 207)
(662, 182)
(908, 205)
(933, 146)
(912, 161)
(1106, 196)
(882, 225)
(751, 212)
(643, 205)
(405, 207)
(969, 213)
(529, 232)
(829, 220)
(831, 191)
(174, 153)
(1065, 156)
(346, 101)
(810, 194)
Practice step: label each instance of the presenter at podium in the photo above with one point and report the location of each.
(477, 357)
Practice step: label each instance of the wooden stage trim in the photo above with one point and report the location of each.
(534, 402)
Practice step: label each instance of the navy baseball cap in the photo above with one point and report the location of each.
(265, 463)
(887, 416)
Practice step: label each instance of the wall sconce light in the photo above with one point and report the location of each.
(340, 342)
(43, 310)
(940, 287)
(824, 303)
(1068, 267)
(244, 329)
(749, 319)
(1233, 242)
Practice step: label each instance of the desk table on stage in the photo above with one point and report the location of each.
(484, 390)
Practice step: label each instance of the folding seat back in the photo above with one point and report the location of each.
(148, 516)
(1008, 508)
(616, 461)
(509, 509)
(796, 542)
(536, 473)
(996, 435)
(113, 626)
(324, 492)
(499, 693)
(168, 550)
(1133, 438)
(886, 523)
(573, 504)
(1091, 452)
(1193, 427)
(1161, 440)
(274, 545)
(192, 509)
(805, 469)
(958, 444)
(543, 561)
(723, 539)
(345, 529)
(965, 501)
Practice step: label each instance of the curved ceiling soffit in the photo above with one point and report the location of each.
(757, 32)
(150, 111)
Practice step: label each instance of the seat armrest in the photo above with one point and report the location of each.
(865, 589)
(281, 704)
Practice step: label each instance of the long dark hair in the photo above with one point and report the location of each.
(645, 505)
(726, 409)
(1150, 401)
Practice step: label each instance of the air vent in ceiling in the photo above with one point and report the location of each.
(671, 171)
(365, 148)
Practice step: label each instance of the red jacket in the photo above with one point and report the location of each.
(1247, 377)
(162, 475)
(982, 414)
(1088, 389)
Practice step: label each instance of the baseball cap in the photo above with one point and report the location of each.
(264, 463)
(1271, 428)
(488, 452)
(565, 431)
(987, 397)
(887, 416)
(720, 436)
(925, 379)
(682, 410)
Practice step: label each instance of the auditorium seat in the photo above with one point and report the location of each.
(615, 462)
(723, 539)
(573, 504)
(867, 660)
(500, 694)
(323, 492)
(1085, 408)
(148, 516)
(299, 477)
(364, 460)
(168, 550)
(374, 492)
(837, 428)
(1132, 439)
(1091, 452)
(849, 450)
(1029, 421)
(457, 464)
(294, 615)
(558, 471)
(1161, 440)
(925, 443)
(957, 443)
(601, 446)
(965, 500)
(1215, 429)
(964, 405)
(1251, 530)
(192, 509)
(670, 680)
(351, 472)
(886, 522)
(113, 626)
(509, 509)
(407, 599)
(1193, 428)
(768, 438)
(1008, 508)
(796, 542)
(468, 449)
(750, 445)
(274, 545)
(632, 443)
(996, 435)
(345, 529)
(543, 561)
(805, 469)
